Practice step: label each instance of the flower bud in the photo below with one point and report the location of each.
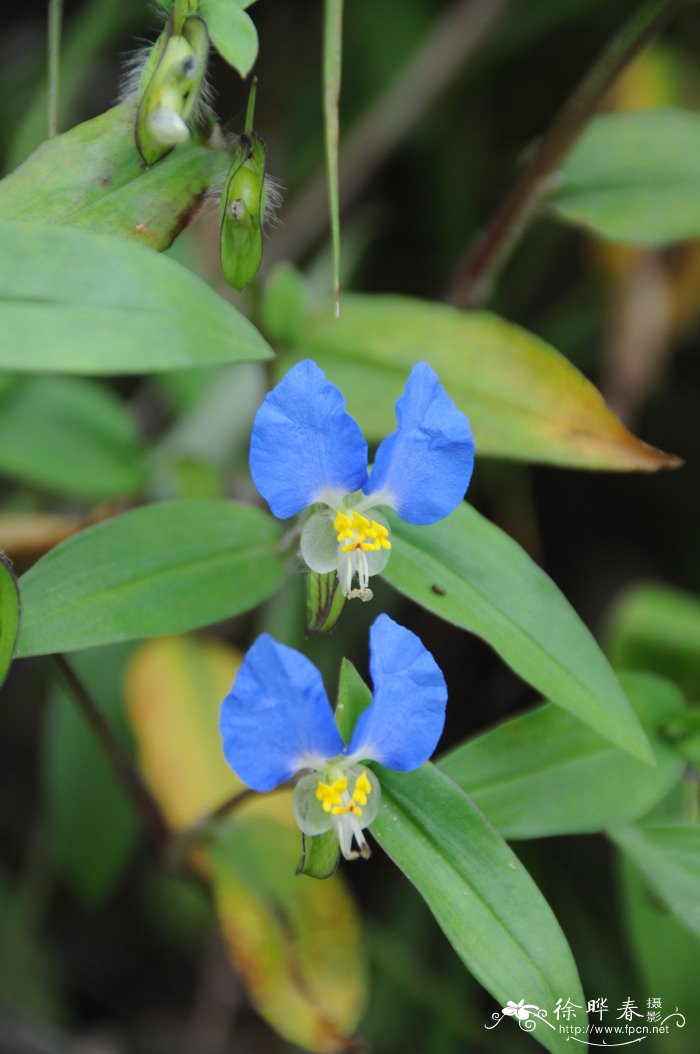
(242, 211)
(170, 86)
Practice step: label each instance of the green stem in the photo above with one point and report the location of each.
(54, 48)
(476, 276)
(332, 64)
(250, 111)
(125, 770)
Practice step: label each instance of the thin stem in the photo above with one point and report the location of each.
(437, 61)
(125, 770)
(332, 66)
(475, 278)
(250, 110)
(54, 47)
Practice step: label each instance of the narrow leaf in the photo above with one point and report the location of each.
(71, 436)
(9, 615)
(332, 69)
(525, 401)
(159, 569)
(544, 773)
(634, 177)
(491, 911)
(78, 302)
(295, 942)
(467, 571)
(97, 182)
(668, 856)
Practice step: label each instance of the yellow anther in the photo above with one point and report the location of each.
(362, 788)
(329, 794)
(352, 806)
(360, 533)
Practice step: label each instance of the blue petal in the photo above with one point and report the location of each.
(276, 719)
(402, 725)
(304, 444)
(423, 468)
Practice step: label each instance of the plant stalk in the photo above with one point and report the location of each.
(475, 278)
(125, 770)
(54, 49)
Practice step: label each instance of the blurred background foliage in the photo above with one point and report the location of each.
(102, 953)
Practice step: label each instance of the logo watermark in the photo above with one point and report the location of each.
(616, 1027)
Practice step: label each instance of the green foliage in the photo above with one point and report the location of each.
(71, 436)
(9, 616)
(467, 571)
(159, 569)
(491, 911)
(544, 773)
(151, 315)
(91, 827)
(633, 177)
(668, 855)
(654, 627)
(232, 32)
(525, 401)
(98, 184)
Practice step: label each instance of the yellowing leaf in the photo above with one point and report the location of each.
(174, 688)
(525, 401)
(296, 941)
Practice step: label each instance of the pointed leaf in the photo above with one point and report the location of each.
(491, 911)
(159, 569)
(467, 571)
(524, 400)
(516, 771)
(78, 302)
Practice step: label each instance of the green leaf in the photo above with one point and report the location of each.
(320, 855)
(77, 302)
(92, 177)
(654, 627)
(232, 33)
(353, 697)
(295, 942)
(635, 177)
(71, 436)
(668, 855)
(544, 773)
(9, 615)
(491, 911)
(467, 571)
(284, 304)
(159, 569)
(667, 955)
(91, 826)
(525, 401)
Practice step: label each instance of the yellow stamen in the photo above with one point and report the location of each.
(360, 533)
(330, 794)
(362, 788)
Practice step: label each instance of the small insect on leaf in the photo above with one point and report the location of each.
(170, 86)
(242, 210)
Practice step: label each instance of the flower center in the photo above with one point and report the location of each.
(336, 799)
(358, 532)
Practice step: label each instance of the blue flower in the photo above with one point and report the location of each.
(277, 722)
(306, 450)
